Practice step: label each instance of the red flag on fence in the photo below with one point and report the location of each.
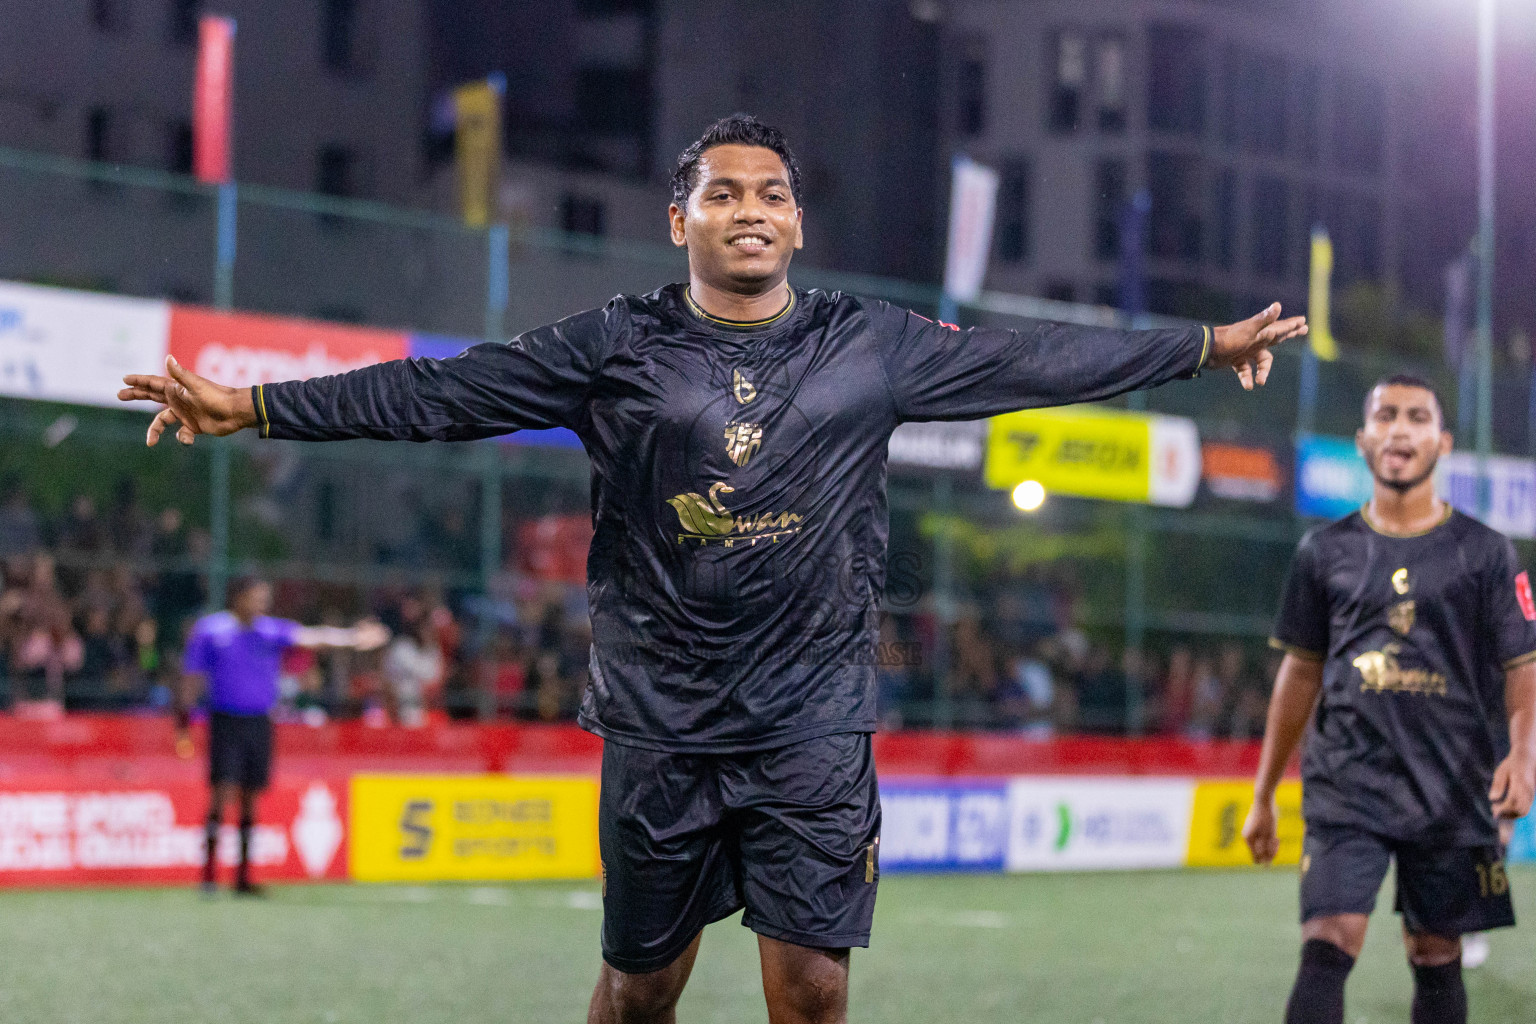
(213, 99)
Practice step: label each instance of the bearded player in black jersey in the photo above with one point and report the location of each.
(1407, 626)
(737, 429)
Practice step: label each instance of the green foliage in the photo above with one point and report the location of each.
(1371, 317)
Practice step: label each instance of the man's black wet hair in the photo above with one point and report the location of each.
(1406, 380)
(738, 130)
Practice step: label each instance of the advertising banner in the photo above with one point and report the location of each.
(241, 349)
(939, 445)
(1058, 824)
(1096, 453)
(1241, 472)
(430, 828)
(1216, 831)
(71, 346)
(935, 826)
(972, 207)
(213, 99)
(133, 835)
(1332, 479)
(477, 148)
(1512, 490)
(1522, 845)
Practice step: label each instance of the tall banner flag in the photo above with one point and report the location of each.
(1319, 331)
(213, 99)
(477, 147)
(972, 207)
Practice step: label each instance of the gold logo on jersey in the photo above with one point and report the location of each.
(1400, 581)
(742, 440)
(742, 388)
(1380, 673)
(705, 518)
(1400, 617)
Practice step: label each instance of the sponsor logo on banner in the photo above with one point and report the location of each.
(1332, 480)
(74, 836)
(1511, 490)
(1240, 472)
(71, 346)
(972, 206)
(1096, 453)
(241, 349)
(936, 827)
(1216, 830)
(1522, 844)
(1072, 824)
(939, 445)
(421, 828)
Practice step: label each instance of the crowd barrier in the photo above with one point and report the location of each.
(104, 800)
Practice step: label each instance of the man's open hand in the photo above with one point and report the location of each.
(1511, 792)
(1261, 831)
(1245, 345)
(193, 404)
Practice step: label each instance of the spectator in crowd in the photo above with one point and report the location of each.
(1028, 701)
(413, 665)
(1209, 698)
(1176, 703)
(20, 533)
(973, 675)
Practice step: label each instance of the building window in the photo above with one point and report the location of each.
(1110, 73)
(1359, 113)
(336, 171)
(583, 215)
(1307, 87)
(972, 112)
(1176, 79)
(1354, 223)
(98, 134)
(1109, 201)
(1175, 224)
(338, 28)
(1254, 108)
(613, 101)
(1013, 193)
(1061, 291)
(109, 15)
(610, 8)
(1069, 80)
(182, 26)
(1226, 219)
(178, 147)
(1271, 238)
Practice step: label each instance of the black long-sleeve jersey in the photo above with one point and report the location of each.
(738, 481)
(1415, 635)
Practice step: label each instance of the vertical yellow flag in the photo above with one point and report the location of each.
(477, 149)
(1318, 330)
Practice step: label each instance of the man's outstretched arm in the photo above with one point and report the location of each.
(939, 372)
(538, 379)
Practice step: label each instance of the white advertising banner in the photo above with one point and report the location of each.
(972, 206)
(939, 445)
(1512, 490)
(71, 346)
(1058, 824)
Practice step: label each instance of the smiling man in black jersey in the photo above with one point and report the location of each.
(737, 429)
(1408, 627)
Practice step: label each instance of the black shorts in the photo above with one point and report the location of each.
(240, 750)
(1441, 890)
(792, 834)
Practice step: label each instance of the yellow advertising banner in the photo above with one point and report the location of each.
(434, 828)
(1092, 452)
(1216, 831)
(477, 149)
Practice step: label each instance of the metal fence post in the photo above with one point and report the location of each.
(496, 286)
(219, 467)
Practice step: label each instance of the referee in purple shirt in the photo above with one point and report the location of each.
(235, 656)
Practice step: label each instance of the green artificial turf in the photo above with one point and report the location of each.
(1154, 947)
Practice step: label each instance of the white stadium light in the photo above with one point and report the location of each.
(1029, 495)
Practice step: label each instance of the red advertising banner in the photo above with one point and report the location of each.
(74, 834)
(213, 99)
(241, 349)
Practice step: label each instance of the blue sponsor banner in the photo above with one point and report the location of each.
(941, 826)
(1522, 845)
(442, 346)
(1332, 480)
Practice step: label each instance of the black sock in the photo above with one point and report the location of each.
(243, 878)
(1439, 997)
(1318, 996)
(210, 848)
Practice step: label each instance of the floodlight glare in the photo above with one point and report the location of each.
(1029, 495)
